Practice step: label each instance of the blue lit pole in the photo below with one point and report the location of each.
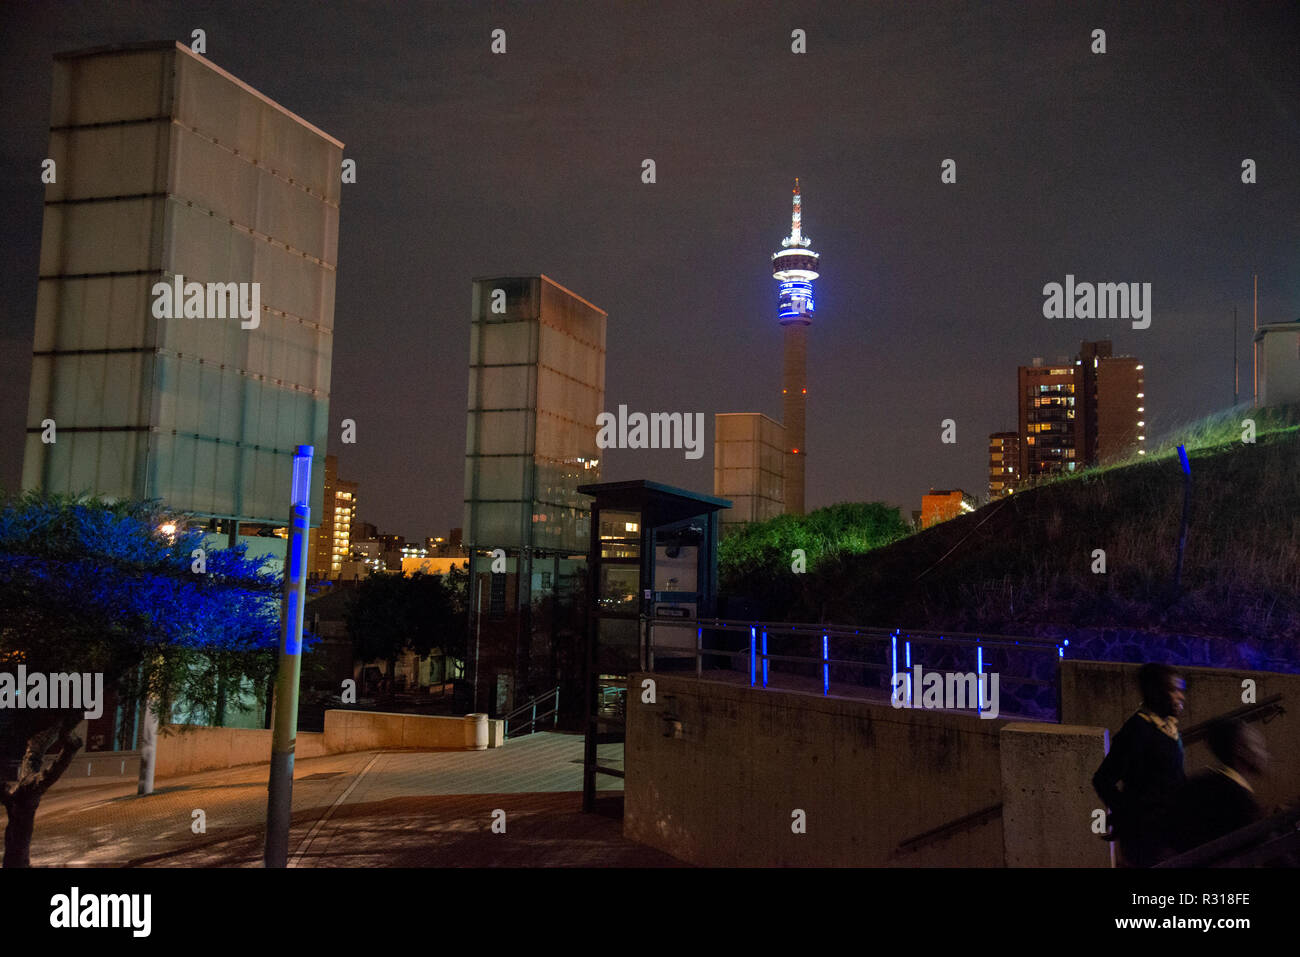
(284, 718)
(1187, 504)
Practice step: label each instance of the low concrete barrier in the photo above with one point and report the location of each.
(371, 730)
(186, 749)
(97, 767)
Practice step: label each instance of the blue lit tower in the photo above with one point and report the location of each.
(795, 268)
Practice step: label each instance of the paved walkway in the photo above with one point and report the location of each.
(363, 809)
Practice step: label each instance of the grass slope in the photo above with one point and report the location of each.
(1027, 560)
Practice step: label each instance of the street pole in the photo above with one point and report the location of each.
(1254, 402)
(478, 628)
(1236, 376)
(284, 718)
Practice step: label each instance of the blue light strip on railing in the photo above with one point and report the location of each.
(826, 668)
(893, 661)
(764, 657)
(753, 662)
(907, 650)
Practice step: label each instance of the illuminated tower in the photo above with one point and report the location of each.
(795, 268)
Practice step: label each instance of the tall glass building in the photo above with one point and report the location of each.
(536, 387)
(171, 171)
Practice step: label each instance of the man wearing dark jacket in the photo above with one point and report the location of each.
(1141, 776)
(1221, 800)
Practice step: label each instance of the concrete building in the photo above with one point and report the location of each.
(332, 542)
(748, 467)
(181, 191)
(1278, 346)
(940, 505)
(1004, 464)
(381, 553)
(1074, 414)
(1115, 404)
(1051, 430)
(536, 388)
(450, 545)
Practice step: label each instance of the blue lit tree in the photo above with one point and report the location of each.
(118, 588)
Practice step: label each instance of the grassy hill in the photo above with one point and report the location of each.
(1027, 560)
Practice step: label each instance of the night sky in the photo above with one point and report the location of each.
(1122, 167)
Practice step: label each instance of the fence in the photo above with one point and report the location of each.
(858, 662)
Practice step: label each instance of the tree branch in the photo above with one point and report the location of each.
(33, 777)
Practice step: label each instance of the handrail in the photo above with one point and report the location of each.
(981, 646)
(1242, 845)
(843, 631)
(954, 826)
(1264, 710)
(534, 717)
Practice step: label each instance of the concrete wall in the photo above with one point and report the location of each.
(714, 771)
(374, 730)
(98, 767)
(184, 750)
(867, 777)
(1279, 372)
(1105, 693)
(187, 749)
(1047, 796)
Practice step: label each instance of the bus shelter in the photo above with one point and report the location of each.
(653, 558)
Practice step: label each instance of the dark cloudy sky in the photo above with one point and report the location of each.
(1117, 167)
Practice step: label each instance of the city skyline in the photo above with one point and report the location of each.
(1115, 167)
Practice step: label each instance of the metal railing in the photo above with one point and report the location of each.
(854, 660)
(533, 717)
(1272, 842)
(1263, 711)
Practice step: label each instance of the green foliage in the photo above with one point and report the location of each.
(392, 614)
(756, 559)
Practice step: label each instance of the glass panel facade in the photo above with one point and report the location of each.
(619, 585)
(536, 385)
(223, 187)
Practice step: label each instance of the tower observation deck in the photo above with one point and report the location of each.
(794, 267)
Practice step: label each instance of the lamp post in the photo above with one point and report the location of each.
(147, 742)
(284, 718)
